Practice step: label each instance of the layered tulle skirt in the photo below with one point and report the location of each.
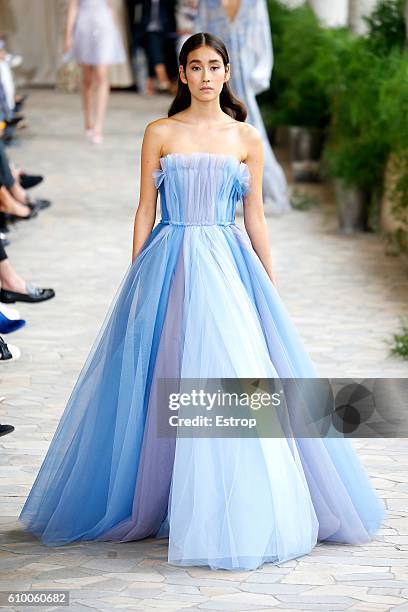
(196, 303)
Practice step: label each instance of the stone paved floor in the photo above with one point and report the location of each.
(344, 295)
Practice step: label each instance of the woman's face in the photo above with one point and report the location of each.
(205, 73)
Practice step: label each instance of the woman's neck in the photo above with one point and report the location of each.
(205, 113)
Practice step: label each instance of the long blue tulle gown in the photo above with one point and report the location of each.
(196, 302)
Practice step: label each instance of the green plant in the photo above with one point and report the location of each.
(396, 242)
(386, 27)
(394, 118)
(278, 17)
(358, 146)
(400, 339)
(300, 79)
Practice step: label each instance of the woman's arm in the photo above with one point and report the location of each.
(146, 211)
(254, 217)
(71, 17)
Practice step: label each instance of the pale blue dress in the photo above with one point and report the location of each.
(249, 43)
(196, 302)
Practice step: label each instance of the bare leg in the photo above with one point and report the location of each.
(149, 86)
(9, 205)
(162, 75)
(102, 95)
(9, 279)
(87, 81)
(19, 193)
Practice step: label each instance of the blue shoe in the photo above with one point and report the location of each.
(9, 325)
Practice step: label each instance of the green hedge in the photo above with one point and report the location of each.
(353, 87)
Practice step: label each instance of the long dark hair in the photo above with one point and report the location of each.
(229, 103)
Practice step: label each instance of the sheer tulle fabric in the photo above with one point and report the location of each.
(196, 302)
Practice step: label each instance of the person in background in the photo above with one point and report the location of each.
(13, 288)
(159, 27)
(137, 52)
(14, 198)
(186, 14)
(93, 36)
(9, 108)
(244, 27)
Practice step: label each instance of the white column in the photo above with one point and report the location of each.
(358, 10)
(331, 13)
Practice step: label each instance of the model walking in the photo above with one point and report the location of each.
(197, 301)
(244, 27)
(93, 36)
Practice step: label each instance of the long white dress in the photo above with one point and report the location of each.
(249, 43)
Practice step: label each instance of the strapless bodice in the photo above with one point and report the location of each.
(200, 188)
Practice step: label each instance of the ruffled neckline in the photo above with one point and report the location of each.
(242, 176)
(205, 155)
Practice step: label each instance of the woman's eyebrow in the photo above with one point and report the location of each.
(197, 61)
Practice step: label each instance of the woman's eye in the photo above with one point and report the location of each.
(195, 68)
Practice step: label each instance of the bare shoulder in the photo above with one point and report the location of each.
(251, 138)
(164, 131)
(158, 127)
(157, 134)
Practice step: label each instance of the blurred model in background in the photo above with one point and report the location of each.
(92, 35)
(159, 32)
(186, 14)
(243, 25)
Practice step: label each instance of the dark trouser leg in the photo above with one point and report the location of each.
(170, 53)
(3, 254)
(6, 177)
(154, 49)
